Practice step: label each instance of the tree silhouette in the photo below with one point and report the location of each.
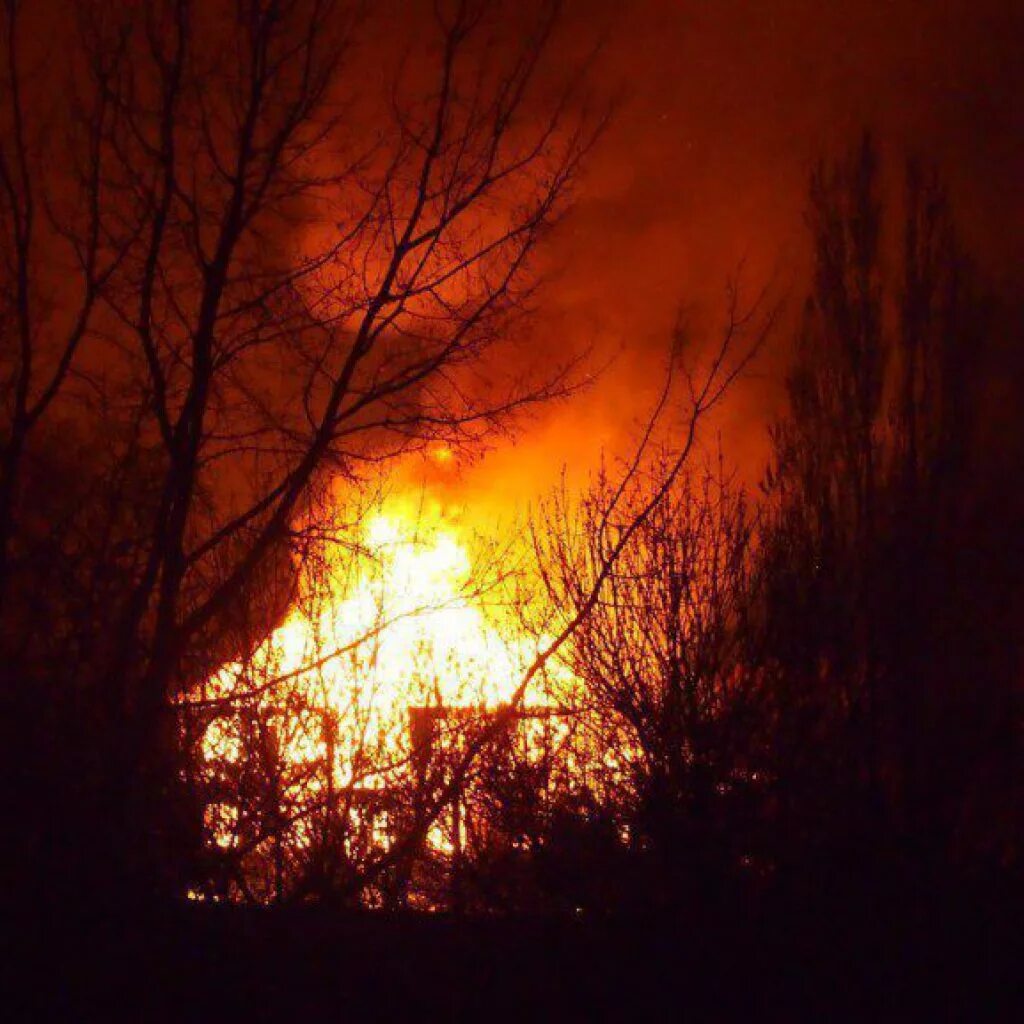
(663, 660)
(887, 697)
(232, 352)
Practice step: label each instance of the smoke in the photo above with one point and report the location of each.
(725, 109)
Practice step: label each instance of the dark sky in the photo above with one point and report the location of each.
(726, 106)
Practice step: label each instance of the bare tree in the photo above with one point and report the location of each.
(667, 683)
(278, 292)
(52, 234)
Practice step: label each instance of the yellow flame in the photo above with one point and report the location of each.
(406, 627)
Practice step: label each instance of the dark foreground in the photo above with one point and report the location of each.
(866, 955)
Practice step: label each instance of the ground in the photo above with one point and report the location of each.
(784, 956)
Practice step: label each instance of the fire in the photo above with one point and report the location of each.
(409, 620)
(401, 643)
(443, 455)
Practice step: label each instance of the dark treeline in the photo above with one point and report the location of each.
(824, 685)
(816, 685)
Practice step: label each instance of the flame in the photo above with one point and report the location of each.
(442, 455)
(405, 622)
(413, 612)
